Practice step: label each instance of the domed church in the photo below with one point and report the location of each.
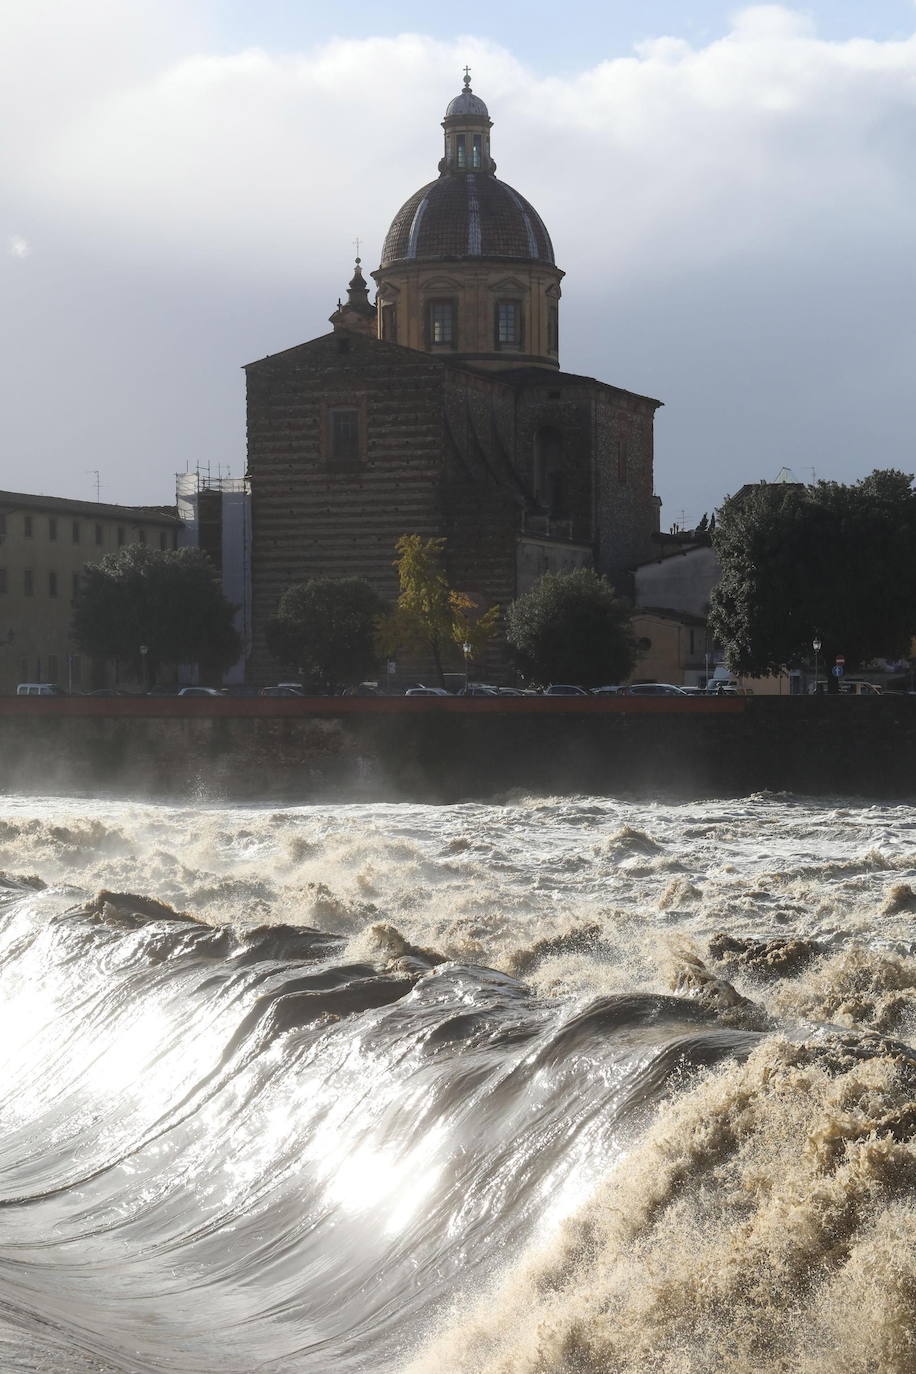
(440, 409)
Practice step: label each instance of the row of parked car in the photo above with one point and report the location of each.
(568, 689)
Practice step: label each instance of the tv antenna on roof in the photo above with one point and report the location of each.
(94, 472)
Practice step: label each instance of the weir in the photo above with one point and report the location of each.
(458, 749)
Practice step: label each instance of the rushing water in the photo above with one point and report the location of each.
(558, 1086)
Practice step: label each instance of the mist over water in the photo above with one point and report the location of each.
(554, 1085)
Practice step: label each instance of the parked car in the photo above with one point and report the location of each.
(427, 692)
(282, 689)
(654, 689)
(39, 689)
(606, 691)
(200, 692)
(477, 689)
(565, 689)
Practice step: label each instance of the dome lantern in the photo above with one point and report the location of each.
(467, 126)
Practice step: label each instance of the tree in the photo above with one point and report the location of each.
(431, 616)
(170, 601)
(327, 628)
(828, 559)
(572, 627)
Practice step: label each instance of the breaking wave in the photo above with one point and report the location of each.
(553, 1087)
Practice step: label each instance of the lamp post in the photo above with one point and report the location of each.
(467, 649)
(144, 650)
(816, 646)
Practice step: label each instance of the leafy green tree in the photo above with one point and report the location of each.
(572, 627)
(327, 627)
(828, 559)
(171, 601)
(430, 616)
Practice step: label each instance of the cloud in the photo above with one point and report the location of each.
(736, 217)
(18, 247)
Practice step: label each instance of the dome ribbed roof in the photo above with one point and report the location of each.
(467, 215)
(467, 103)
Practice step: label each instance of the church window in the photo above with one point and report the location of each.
(27, 526)
(460, 151)
(344, 434)
(442, 322)
(52, 527)
(622, 461)
(475, 152)
(390, 323)
(508, 322)
(2, 581)
(553, 329)
(28, 582)
(52, 584)
(76, 531)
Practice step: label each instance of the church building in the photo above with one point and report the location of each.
(440, 409)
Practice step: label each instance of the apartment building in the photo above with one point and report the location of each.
(45, 542)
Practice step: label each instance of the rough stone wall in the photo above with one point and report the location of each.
(450, 751)
(314, 517)
(626, 507)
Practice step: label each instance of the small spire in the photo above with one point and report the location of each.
(467, 78)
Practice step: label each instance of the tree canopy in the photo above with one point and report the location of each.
(327, 628)
(572, 627)
(170, 601)
(824, 559)
(430, 616)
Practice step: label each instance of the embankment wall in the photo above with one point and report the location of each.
(447, 750)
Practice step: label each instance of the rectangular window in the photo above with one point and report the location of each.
(52, 527)
(120, 536)
(442, 322)
(621, 460)
(508, 322)
(141, 536)
(344, 425)
(553, 329)
(76, 531)
(99, 534)
(460, 151)
(76, 584)
(2, 526)
(475, 155)
(390, 323)
(27, 526)
(52, 584)
(3, 585)
(28, 582)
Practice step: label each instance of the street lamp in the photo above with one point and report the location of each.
(467, 649)
(816, 646)
(144, 650)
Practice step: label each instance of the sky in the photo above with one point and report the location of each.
(730, 189)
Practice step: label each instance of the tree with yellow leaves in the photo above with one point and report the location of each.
(430, 615)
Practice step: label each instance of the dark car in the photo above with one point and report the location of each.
(565, 689)
(654, 689)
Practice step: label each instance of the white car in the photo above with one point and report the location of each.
(427, 692)
(200, 692)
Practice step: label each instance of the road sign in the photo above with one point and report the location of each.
(837, 670)
(840, 658)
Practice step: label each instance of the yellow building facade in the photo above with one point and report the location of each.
(45, 542)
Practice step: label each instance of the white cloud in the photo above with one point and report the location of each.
(18, 247)
(736, 217)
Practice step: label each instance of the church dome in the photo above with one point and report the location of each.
(467, 103)
(466, 215)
